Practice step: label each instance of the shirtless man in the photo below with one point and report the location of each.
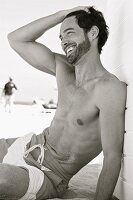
(91, 103)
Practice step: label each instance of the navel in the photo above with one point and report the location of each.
(80, 122)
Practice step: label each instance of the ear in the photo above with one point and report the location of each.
(93, 33)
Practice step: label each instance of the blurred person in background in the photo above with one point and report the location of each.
(9, 95)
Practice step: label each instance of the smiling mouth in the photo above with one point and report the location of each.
(69, 50)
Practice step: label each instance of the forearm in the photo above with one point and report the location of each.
(35, 29)
(108, 179)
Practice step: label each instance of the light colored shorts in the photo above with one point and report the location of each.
(14, 156)
(37, 177)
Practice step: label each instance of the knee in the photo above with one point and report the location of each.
(5, 181)
(7, 190)
(4, 186)
(10, 182)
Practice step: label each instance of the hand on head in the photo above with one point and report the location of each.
(84, 8)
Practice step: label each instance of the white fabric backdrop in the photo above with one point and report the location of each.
(118, 58)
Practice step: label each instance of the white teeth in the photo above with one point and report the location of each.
(69, 49)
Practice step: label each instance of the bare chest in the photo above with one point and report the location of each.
(77, 104)
(75, 125)
(76, 117)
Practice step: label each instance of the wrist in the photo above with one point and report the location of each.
(64, 13)
(60, 15)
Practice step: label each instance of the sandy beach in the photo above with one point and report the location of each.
(24, 119)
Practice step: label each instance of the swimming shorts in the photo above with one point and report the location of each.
(36, 178)
(44, 183)
(46, 158)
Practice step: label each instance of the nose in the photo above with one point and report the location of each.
(64, 43)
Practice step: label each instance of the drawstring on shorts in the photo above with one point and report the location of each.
(40, 157)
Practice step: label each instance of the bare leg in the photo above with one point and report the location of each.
(14, 181)
(11, 101)
(6, 103)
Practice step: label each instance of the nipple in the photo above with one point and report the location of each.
(80, 122)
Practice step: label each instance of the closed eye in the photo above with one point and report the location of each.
(70, 32)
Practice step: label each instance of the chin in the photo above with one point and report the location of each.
(73, 63)
(72, 60)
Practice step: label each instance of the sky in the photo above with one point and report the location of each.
(16, 13)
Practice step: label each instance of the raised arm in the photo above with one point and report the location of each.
(112, 108)
(23, 41)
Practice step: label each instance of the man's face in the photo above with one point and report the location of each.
(74, 41)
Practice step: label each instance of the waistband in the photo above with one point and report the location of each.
(46, 161)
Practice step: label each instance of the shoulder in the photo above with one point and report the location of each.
(7, 84)
(61, 62)
(110, 83)
(110, 91)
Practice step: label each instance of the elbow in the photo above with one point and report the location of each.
(12, 40)
(9, 36)
(113, 158)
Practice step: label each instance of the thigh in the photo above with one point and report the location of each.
(6, 99)
(52, 187)
(11, 99)
(47, 190)
(14, 181)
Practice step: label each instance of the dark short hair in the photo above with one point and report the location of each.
(10, 78)
(91, 18)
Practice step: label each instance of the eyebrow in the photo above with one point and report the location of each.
(68, 29)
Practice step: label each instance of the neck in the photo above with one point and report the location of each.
(88, 67)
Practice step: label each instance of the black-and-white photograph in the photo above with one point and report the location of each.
(66, 100)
